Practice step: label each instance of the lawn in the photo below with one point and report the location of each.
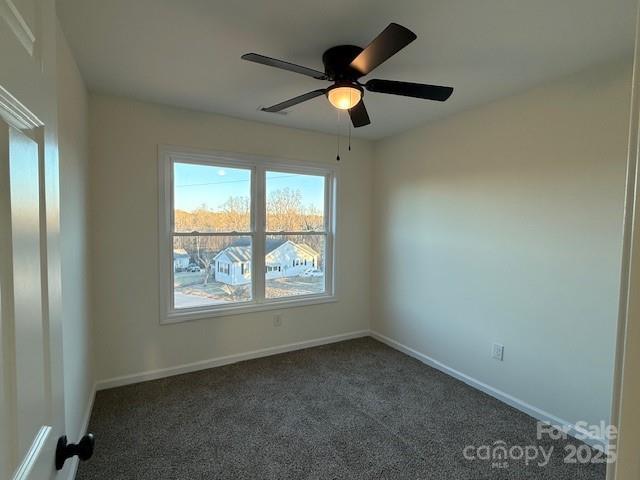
(190, 290)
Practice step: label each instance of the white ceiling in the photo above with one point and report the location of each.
(187, 53)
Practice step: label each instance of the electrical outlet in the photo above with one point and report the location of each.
(277, 320)
(497, 351)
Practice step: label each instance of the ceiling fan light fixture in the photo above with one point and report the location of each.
(344, 97)
(344, 65)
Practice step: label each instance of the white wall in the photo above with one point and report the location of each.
(124, 139)
(503, 224)
(73, 152)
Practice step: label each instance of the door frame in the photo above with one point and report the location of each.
(626, 381)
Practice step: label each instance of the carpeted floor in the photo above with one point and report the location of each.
(350, 410)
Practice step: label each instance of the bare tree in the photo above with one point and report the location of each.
(204, 256)
(235, 214)
(284, 208)
(313, 218)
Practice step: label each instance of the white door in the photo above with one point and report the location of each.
(31, 393)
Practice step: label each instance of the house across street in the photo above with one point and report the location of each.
(284, 258)
(290, 269)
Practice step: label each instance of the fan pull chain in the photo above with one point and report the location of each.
(338, 135)
(349, 136)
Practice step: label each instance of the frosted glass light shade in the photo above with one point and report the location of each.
(344, 98)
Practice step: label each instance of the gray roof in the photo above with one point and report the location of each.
(305, 248)
(240, 250)
(237, 254)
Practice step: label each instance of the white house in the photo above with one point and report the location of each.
(180, 259)
(284, 258)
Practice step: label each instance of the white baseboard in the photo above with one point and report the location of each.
(226, 360)
(537, 413)
(73, 470)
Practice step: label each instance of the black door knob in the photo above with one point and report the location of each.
(83, 449)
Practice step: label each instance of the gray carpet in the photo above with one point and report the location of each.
(351, 410)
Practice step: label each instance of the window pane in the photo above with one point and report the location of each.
(295, 202)
(294, 265)
(207, 198)
(211, 270)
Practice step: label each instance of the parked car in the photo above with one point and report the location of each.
(312, 272)
(193, 268)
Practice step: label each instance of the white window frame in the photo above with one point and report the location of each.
(259, 165)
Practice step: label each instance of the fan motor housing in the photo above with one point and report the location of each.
(337, 62)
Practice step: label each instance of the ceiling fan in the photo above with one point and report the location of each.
(345, 64)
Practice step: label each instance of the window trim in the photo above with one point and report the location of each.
(259, 165)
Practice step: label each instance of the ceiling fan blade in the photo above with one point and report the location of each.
(359, 115)
(294, 101)
(291, 67)
(392, 39)
(408, 89)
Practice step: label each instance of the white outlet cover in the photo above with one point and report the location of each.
(498, 351)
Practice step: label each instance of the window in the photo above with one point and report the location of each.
(224, 217)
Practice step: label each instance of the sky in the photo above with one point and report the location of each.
(197, 184)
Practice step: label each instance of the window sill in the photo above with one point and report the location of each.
(225, 311)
